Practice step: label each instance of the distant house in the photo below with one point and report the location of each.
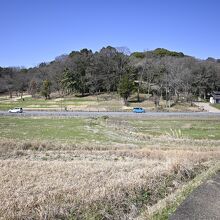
(215, 97)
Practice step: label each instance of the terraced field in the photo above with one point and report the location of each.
(103, 102)
(102, 168)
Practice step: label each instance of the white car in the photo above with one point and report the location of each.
(15, 110)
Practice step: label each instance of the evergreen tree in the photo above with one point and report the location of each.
(46, 89)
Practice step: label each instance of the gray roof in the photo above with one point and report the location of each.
(216, 95)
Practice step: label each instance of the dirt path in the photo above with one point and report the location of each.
(202, 204)
(206, 107)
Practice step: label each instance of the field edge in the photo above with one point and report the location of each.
(165, 207)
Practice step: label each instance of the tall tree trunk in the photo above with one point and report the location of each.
(126, 101)
(10, 94)
(166, 89)
(138, 92)
(148, 88)
(166, 98)
(176, 96)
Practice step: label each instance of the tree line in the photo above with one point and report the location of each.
(160, 73)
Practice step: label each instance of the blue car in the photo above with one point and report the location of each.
(138, 110)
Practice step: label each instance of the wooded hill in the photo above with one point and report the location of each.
(159, 72)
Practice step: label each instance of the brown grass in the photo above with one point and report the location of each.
(48, 180)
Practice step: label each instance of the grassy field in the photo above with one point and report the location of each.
(103, 102)
(103, 129)
(216, 106)
(100, 168)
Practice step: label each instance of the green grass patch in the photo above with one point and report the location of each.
(95, 129)
(216, 105)
(76, 129)
(196, 129)
(35, 103)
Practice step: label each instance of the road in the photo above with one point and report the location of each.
(202, 204)
(112, 114)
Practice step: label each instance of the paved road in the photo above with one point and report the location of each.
(202, 204)
(112, 114)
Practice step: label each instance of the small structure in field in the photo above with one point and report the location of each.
(215, 98)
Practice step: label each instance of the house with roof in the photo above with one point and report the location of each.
(215, 97)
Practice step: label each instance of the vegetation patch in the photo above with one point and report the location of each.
(216, 106)
(52, 181)
(97, 168)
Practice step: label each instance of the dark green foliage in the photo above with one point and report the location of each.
(74, 53)
(164, 52)
(125, 87)
(138, 55)
(161, 72)
(42, 64)
(68, 80)
(46, 89)
(75, 78)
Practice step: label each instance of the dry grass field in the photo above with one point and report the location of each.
(127, 168)
(102, 102)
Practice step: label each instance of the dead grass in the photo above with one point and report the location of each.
(101, 102)
(117, 177)
(51, 180)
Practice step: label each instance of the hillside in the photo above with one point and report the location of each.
(160, 73)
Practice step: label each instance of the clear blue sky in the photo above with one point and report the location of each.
(33, 31)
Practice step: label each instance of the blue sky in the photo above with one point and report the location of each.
(33, 31)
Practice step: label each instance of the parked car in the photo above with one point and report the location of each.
(138, 110)
(15, 110)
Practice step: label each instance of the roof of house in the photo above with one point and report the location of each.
(216, 94)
